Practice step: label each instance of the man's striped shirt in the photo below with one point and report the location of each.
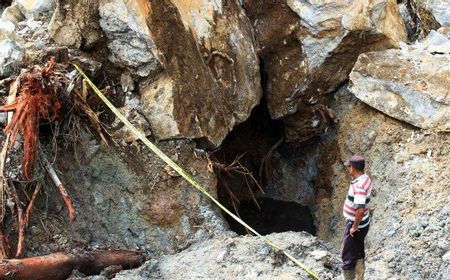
(358, 197)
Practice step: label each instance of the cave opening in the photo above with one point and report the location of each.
(256, 146)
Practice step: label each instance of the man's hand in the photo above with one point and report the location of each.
(358, 217)
(353, 230)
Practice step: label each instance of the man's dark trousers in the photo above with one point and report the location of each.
(353, 248)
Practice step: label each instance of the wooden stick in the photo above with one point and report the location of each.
(58, 266)
(62, 190)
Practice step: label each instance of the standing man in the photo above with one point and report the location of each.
(356, 213)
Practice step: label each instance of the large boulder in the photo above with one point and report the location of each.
(11, 57)
(211, 73)
(309, 48)
(410, 84)
(438, 10)
(129, 38)
(12, 14)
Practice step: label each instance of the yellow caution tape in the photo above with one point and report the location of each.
(185, 175)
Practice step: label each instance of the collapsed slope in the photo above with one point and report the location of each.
(187, 72)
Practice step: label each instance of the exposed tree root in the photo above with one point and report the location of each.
(39, 94)
(224, 170)
(39, 90)
(31, 204)
(62, 190)
(58, 266)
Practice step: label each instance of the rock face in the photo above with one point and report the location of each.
(309, 48)
(410, 84)
(229, 257)
(130, 199)
(191, 70)
(129, 39)
(294, 174)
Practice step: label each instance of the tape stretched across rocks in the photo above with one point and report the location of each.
(186, 175)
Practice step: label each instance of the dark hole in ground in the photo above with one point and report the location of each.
(253, 139)
(274, 216)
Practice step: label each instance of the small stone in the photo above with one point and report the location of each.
(87, 64)
(221, 256)
(127, 83)
(171, 172)
(400, 160)
(31, 7)
(3, 116)
(446, 257)
(7, 30)
(91, 149)
(263, 253)
(319, 254)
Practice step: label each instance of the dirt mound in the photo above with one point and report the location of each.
(231, 257)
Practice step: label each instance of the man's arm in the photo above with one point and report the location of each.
(358, 217)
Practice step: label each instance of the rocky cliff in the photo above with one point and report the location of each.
(291, 88)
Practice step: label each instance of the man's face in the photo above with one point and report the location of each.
(350, 170)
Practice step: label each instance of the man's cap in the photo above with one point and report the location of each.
(356, 161)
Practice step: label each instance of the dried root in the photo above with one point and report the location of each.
(38, 98)
(62, 190)
(39, 94)
(224, 170)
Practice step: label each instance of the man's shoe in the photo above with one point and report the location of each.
(349, 274)
(359, 269)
